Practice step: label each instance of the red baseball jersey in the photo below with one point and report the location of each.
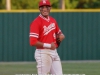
(44, 30)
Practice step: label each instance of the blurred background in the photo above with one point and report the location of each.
(56, 4)
(79, 20)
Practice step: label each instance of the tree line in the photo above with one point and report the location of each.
(69, 4)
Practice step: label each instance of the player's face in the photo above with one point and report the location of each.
(45, 10)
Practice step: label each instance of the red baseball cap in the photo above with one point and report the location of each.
(44, 2)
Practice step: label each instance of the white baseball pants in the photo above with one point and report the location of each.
(48, 61)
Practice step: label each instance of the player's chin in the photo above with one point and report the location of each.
(45, 15)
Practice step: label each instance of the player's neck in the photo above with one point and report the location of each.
(45, 16)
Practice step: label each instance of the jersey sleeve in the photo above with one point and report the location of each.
(34, 32)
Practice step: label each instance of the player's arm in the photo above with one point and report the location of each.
(59, 35)
(45, 45)
(59, 38)
(36, 43)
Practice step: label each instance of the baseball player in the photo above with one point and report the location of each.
(46, 36)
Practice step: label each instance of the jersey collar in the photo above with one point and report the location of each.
(45, 18)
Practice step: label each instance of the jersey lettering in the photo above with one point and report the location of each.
(49, 28)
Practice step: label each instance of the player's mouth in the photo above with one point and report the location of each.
(45, 13)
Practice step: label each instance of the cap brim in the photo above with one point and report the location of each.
(45, 5)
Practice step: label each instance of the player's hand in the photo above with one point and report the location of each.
(53, 46)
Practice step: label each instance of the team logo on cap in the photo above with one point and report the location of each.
(44, 1)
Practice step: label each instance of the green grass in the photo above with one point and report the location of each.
(87, 68)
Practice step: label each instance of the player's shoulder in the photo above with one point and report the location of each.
(36, 20)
